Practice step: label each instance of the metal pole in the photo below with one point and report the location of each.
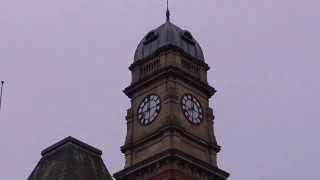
(2, 83)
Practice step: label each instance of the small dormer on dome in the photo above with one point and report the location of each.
(168, 36)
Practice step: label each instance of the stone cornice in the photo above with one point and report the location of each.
(169, 156)
(171, 128)
(169, 71)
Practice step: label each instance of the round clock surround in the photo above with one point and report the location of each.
(149, 109)
(192, 109)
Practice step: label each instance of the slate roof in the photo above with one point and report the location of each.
(70, 159)
(168, 35)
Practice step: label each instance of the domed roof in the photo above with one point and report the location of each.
(166, 36)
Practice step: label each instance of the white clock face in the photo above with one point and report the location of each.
(192, 109)
(149, 109)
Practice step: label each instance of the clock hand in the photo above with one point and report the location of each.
(194, 112)
(149, 109)
(189, 107)
(190, 110)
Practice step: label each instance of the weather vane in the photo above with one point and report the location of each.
(2, 84)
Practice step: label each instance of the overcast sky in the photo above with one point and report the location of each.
(65, 63)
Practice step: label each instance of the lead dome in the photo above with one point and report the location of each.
(168, 36)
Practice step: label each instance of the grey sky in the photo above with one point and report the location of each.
(65, 65)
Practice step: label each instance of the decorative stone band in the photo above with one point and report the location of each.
(169, 71)
(172, 128)
(174, 161)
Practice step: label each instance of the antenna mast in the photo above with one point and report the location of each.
(2, 84)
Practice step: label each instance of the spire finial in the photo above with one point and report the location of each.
(168, 12)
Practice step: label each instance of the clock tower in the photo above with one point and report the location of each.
(170, 134)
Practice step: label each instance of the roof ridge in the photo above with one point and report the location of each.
(72, 140)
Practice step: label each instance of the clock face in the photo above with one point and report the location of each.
(149, 109)
(192, 109)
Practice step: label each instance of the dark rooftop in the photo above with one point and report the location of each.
(166, 36)
(70, 159)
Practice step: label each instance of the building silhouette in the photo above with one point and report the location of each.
(170, 134)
